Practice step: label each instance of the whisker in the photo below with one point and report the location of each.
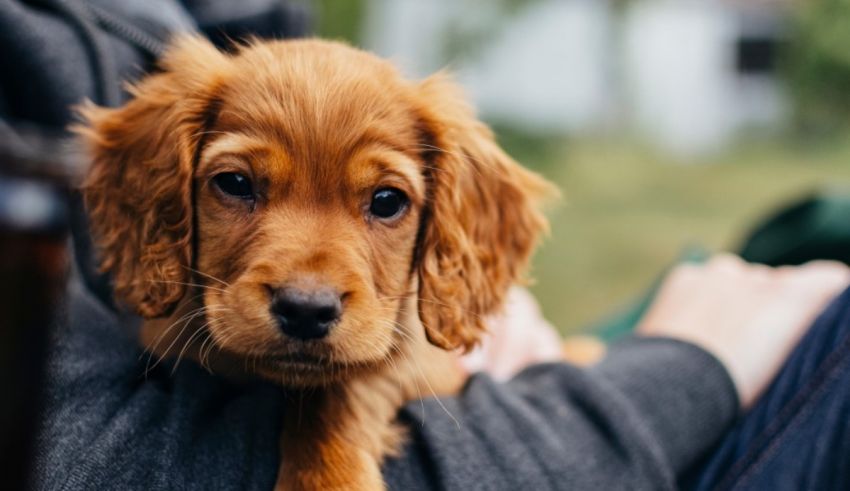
(196, 285)
(201, 330)
(191, 316)
(207, 275)
(400, 329)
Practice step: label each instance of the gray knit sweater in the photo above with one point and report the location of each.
(635, 421)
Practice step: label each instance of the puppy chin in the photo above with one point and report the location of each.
(302, 372)
(300, 364)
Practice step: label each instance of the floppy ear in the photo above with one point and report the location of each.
(481, 222)
(138, 191)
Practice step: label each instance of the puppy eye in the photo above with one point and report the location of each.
(388, 202)
(235, 185)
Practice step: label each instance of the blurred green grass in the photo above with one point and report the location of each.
(338, 20)
(628, 212)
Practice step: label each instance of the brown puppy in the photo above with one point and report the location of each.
(300, 209)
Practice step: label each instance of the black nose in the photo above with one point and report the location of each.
(306, 314)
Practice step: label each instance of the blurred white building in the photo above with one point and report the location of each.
(688, 74)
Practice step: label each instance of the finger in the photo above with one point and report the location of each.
(726, 259)
(761, 274)
(833, 270)
(822, 274)
(725, 263)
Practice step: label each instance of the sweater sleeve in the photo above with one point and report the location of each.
(635, 421)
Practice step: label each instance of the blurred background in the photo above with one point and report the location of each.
(669, 125)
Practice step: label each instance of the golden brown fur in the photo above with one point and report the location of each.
(317, 126)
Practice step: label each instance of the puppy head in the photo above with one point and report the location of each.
(303, 191)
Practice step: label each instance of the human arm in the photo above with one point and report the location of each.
(633, 421)
(749, 316)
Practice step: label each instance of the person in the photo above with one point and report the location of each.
(658, 412)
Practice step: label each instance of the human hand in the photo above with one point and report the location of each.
(748, 316)
(516, 338)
